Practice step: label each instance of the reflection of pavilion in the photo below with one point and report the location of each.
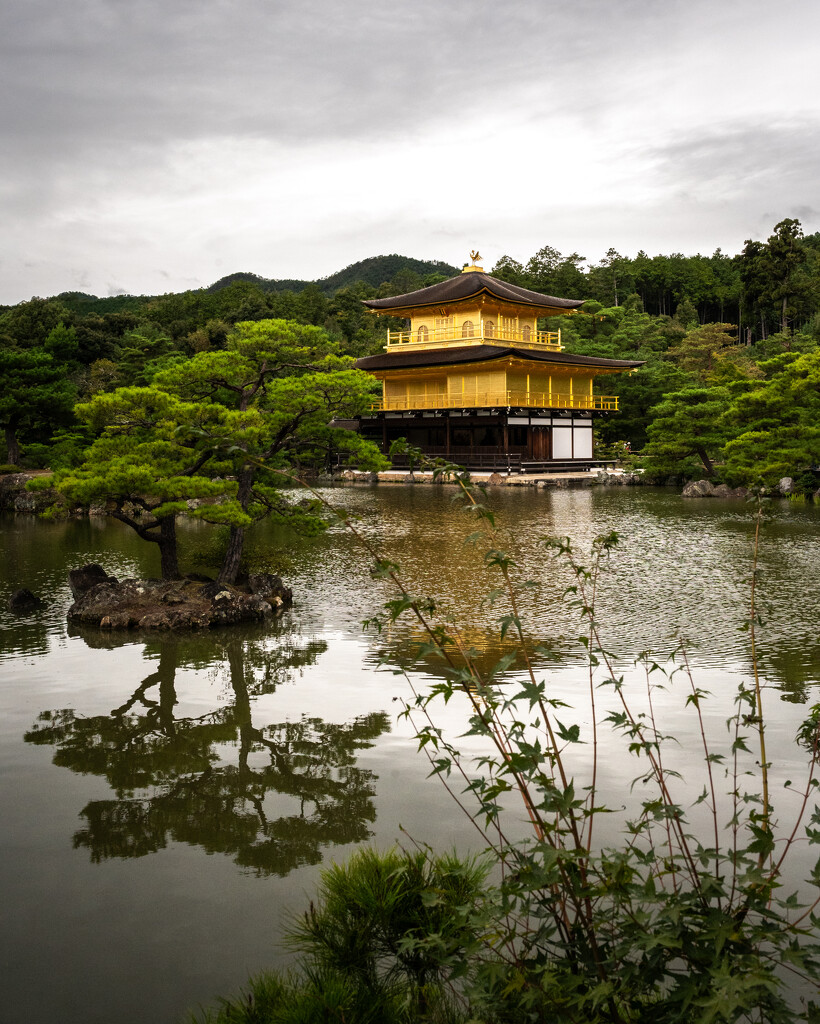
(473, 379)
(292, 788)
(492, 655)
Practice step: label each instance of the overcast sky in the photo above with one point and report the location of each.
(152, 146)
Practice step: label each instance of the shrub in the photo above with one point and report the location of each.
(387, 930)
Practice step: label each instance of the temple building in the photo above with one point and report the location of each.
(472, 379)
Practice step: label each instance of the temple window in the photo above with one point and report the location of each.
(489, 328)
(422, 333)
(467, 330)
(526, 332)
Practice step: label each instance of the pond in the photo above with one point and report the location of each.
(168, 801)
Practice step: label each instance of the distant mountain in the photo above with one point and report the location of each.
(373, 271)
(265, 283)
(378, 269)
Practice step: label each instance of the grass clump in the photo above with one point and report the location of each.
(386, 935)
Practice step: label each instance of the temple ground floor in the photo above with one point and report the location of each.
(525, 441)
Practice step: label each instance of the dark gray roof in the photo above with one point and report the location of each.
(465, 286)
(403, 360)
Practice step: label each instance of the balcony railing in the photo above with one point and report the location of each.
(498, 400)
(478, 334)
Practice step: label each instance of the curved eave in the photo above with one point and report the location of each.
(483, 354)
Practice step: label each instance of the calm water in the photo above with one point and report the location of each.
(167, 802)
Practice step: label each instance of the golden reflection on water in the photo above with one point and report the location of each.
(679, 574)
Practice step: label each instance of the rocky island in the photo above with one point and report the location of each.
(188, 603)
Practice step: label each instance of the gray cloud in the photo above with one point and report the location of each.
(774, 164)
(121, 70)
(110, 111)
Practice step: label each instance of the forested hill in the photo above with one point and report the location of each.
(730, 346)
(373, 271)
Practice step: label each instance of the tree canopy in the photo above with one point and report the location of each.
(212, 437)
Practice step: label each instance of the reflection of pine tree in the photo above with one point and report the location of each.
(293, 788)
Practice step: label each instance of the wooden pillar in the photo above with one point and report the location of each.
(384, 434)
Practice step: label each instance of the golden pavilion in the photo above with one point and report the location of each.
(471, 378)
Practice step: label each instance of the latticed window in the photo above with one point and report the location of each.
(422, 333)
(508, 326)
(467, 329)
(489, 328)
(444, 324)
(526, 332)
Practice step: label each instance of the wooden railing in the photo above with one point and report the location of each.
(478, 334)
(498, 399)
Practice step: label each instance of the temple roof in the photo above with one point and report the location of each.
(465, 286)
(483, 353)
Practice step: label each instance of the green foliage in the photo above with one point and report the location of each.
(686, 314)
(384, 933)
(637, 394)
(770, 272)
(677, 922)
(776, 424)
(35, 394)
(685, 916)
(215, 437)
(701, 348)
(66, 449)
(393, 917)
(141, 352)
(687, 431)
(62, 345)
(148, 462)
(28, 324)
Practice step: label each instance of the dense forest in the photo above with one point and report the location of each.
(730, 387)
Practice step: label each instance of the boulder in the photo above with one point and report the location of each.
(698, 489)
(270, 588)
(14, 496)
(22, 601)
(86, 578)
(725, 491)
(785, 485)
(496, 480)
